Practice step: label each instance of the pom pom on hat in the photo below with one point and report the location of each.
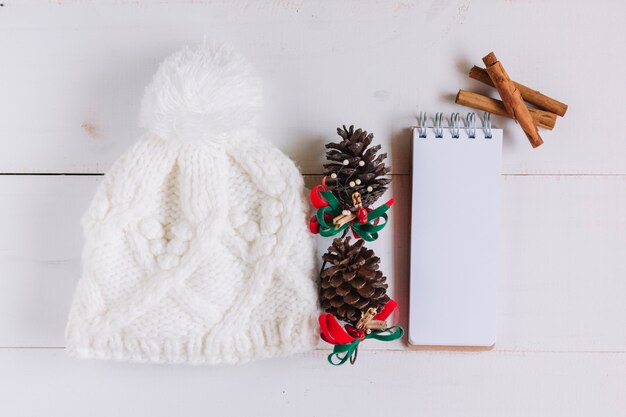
(201, 93)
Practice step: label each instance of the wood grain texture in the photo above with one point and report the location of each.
(434, 384)
(40, 247)
(73, 73)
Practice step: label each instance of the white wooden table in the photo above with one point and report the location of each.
(71, 79)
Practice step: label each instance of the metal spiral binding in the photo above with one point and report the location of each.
(438, 126)
(471, 125)
(422, 121)
(487, 125)
(455, 121)
(454, 125)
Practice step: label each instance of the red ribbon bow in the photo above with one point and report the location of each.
(332, 332)
(328, 206)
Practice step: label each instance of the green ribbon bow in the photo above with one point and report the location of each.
(344, 352)
(367, 231)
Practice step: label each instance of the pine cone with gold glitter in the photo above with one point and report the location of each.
(352, 284)
(353, 166)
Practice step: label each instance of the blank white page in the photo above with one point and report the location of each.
(455, 233)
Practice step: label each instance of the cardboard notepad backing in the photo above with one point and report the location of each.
(455, 233)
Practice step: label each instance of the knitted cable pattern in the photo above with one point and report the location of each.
(196, 244)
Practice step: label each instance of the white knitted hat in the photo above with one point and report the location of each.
(196, 243)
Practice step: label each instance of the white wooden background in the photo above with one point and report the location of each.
(71, 79)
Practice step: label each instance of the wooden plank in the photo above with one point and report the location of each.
(46, 382)
(40, 248)
(73, 73)
(560, 289)
(563, 266)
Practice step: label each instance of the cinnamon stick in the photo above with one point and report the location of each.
(512, 98)
(541, 118)
(532, 96)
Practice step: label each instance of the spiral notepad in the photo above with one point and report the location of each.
(455, 219)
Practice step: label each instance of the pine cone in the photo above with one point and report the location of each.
(353, 283)
(354, 167)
